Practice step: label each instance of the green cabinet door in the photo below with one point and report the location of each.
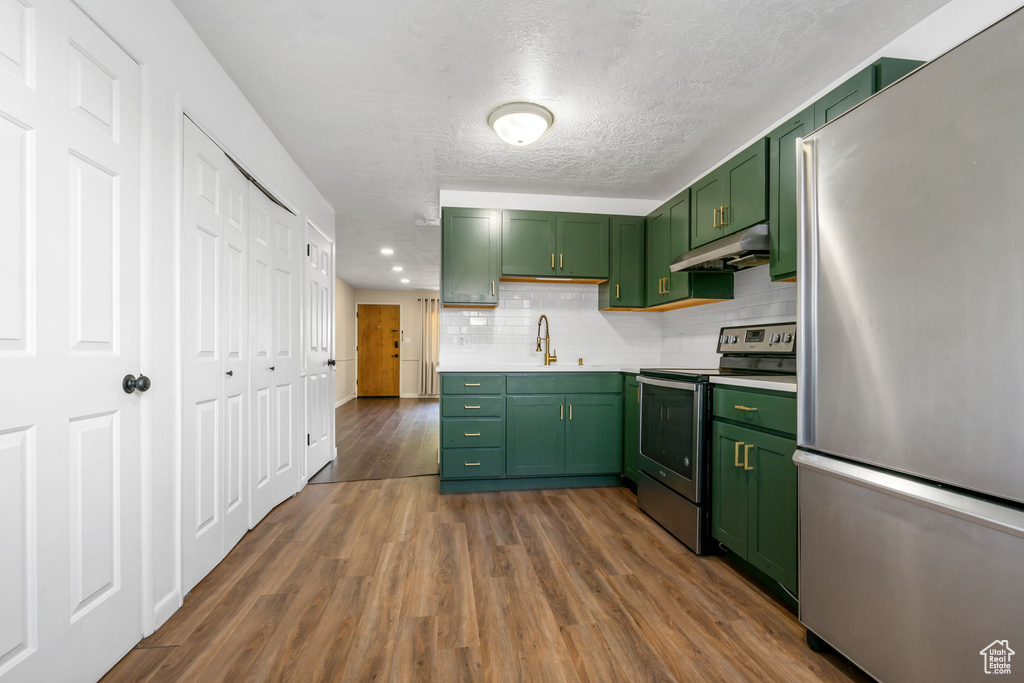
(888, 70)
(772, 505)
(729, 487)
(658, 249)
(677, 286)
(593, 434)
(630, 426)
(746, 189)
(708, 197)
(582, 245)
(625, 287)
(529, 243)
(782, 193)
(845, 97)
(534, 435)
(470, 243)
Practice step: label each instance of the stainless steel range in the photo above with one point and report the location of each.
(675, 426)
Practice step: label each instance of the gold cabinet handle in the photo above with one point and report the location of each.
(570, 411)
(617, 291)
(714, 220)
(477, 434)
(724, 222)
(668, 285)
(638, 393)
(659, 287)
(751, 410)
(746, 454)
(471, 464)
(736, 454)
(560, 258)
(492, 287)
(472, 407)
(552, 261)
(471, 385)
(561, 412)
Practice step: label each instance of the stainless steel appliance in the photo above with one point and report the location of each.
(911, 369)
(672, 484)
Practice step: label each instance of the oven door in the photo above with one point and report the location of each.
(671, 432)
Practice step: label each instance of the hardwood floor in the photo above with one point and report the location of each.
(389, 580)
(384, 438)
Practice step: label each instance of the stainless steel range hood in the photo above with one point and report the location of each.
(744, 249)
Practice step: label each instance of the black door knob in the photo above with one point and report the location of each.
(271, 368)
(331, 362)
(130, 383)
(230, 373)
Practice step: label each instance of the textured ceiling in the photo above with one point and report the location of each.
(384, 103)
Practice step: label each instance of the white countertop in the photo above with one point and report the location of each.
(523, 367)
(773, 383)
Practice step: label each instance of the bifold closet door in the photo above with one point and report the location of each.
(70, 276)
(215, 482)
(319, 347)
(274, 326)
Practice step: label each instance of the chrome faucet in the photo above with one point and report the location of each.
(549, 358)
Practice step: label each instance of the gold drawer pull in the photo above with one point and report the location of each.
(552, 261)
(570, 411)
(715, 223)
(560, 261)
(472, 407)
(472, 435)
(736, 454)
(724, 222)
(471, 464)
(561, 412)
(617, 292)
(746, 454)
(472, 385)
(752, 410)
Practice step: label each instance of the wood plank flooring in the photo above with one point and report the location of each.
(389, 580)
(384, 438)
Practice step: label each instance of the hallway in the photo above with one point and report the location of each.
(383, 438)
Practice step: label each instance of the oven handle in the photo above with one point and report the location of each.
(671, 384)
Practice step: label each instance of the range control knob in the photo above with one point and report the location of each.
(786, 338)
(724, 339)
(732, 338)
(775, 337)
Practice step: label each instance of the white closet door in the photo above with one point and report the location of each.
(70, 598)
(274, 325)
(213, 318)
(319, 342)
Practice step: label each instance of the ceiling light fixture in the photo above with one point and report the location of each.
(397, 269)
(520, 123)
(387, 251)
(405, 280)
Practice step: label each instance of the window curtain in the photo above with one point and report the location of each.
(430, 341)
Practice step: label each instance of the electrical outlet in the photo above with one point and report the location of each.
(463, 342)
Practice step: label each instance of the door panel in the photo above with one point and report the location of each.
(772, 533)
(729, 486)
(677, 286)
(535, 435)
(70, 578)
(319, 347)
(658, 247)
(582, 245)
(845, 97)
(593, 434)
(377, 349)
(708, 196)
(782, 194)
(746, 183)
(471, 259)
(529, 243)
(630, 426)
(626, 287)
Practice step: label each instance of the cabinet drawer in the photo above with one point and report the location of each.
(466, 433)
(471, 384)
(765, 411)
(564, 383)
(471, 406)
(472, 462)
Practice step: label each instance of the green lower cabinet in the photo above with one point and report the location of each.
(754, 499)
(593, 434)
(630, 426)
(534, 435)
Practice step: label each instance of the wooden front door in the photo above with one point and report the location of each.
(377, 349)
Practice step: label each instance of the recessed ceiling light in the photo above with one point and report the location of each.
(405, 280)
(387, 251)
(397, 269)
(520, 123)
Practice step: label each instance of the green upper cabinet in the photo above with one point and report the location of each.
(625, 285)
(732, 197)
(582, 245)
(534, 435)
(630, 426)
(529, 243)
(593, 434)
(783, 153)
(677, 286)
(658, 249)
(470, 265)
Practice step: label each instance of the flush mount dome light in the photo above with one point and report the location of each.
(520, 123)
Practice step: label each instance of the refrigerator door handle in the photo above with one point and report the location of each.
(975, 510)
(807, 288)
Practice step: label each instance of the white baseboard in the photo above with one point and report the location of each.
(418, 396)
(165, 607)
(344, 401)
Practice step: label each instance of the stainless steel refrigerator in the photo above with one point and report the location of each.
(911, 370)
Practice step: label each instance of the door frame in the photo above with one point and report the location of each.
(401, 337)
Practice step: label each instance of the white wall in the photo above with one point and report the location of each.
(344, 342)
(179, 75)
